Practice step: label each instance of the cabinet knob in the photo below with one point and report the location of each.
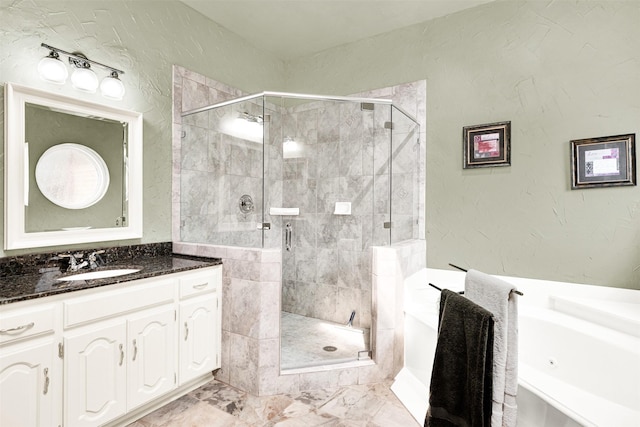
(186, 331)
(121, 354)
(135, 350)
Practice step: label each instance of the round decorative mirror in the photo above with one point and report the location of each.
(72, 176)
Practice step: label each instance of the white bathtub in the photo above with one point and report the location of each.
(572, 372)
(587, 371)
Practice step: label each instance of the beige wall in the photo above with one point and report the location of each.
(144, 38)
(558, 70)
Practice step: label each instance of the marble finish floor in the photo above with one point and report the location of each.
(219, 405)
(303, 340)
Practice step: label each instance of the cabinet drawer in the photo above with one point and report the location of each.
(145, 293)
(200, 282)
(27, 322)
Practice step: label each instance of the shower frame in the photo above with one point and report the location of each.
(276, 225)
(251, 285)
(312, 97)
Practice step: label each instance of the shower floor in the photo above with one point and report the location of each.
(302, 341)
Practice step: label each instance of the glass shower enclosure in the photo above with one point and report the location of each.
(321, 178)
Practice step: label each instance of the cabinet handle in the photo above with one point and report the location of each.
(186, 331)
(46, 381)
(17, 329)
(135, 350)
(121, 355)
(200, 286)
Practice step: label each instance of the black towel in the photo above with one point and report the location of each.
(462, 376)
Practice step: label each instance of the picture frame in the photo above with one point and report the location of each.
(487, 145)
(607, 161)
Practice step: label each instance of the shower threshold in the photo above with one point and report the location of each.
(311, 344)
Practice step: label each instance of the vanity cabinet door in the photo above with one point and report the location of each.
(28, 388)
(199, 335)
(151, 355)
(95, 374)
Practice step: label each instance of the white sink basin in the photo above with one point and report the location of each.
(100, 274)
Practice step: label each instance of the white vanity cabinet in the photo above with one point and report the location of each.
(198, 337)
(103, 333)
(200, 328)
(152, 355)
(30, 373)
(95, 374)
(108, 354)
(113, 367)
(27, 396)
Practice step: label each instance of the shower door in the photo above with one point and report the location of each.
(326, 169)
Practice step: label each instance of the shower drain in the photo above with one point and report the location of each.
(329, 348)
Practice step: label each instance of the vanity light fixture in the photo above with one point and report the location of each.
(83, 78)
(52, 69)
(111, 87)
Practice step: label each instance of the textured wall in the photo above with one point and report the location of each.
(144, 38)
(559, 70)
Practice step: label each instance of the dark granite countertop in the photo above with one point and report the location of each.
(34, 276)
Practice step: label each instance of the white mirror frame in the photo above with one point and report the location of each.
(16, 174)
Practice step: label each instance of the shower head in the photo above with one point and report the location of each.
(250, 117)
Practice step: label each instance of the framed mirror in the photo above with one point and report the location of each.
(73, 170)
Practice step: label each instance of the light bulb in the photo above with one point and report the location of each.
(52, 70)
(111, 87)
(84, 79)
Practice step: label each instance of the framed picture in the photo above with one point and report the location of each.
(603, 162)
(487, 145)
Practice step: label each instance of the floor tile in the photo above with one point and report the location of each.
(216, 404)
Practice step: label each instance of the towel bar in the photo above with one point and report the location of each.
(440, 289)
(515, 291)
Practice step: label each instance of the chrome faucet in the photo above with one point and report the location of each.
(73, 261)
(94, 257)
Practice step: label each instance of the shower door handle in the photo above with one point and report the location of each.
(287, 237)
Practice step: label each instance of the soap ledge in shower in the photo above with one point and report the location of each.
(342, 208)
